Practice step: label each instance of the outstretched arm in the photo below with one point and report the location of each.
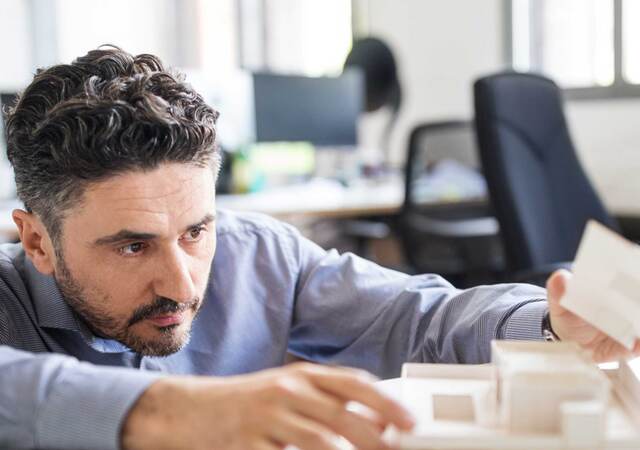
(54, 401)
(350, 311)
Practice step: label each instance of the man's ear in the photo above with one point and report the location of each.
(35, 241)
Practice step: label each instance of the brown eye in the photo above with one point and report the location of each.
(194, 235)
(132, 249)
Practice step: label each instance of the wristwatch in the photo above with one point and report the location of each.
(547, 332)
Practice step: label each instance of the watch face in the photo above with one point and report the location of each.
(548, 335)
(547, 331)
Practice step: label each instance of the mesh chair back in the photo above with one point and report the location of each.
(447, 226)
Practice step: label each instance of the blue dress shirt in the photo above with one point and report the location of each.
(271, 292)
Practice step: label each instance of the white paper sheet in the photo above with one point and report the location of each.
(605, 288)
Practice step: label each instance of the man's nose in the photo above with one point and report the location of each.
(174, 278)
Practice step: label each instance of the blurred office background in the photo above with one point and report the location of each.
(241, 54)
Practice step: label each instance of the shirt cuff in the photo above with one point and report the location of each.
(87, 406)
(525, 323)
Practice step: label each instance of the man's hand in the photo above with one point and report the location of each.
(570, 327)
(301, 404)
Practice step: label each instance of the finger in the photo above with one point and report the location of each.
(610, 350)
(605, 356)
(325, 368)
(364, 432)
(267, 445)
(348, 386)
(293, 429)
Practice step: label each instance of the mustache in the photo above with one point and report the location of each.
(161, 306)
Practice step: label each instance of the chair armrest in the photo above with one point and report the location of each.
(474, 227)
(366, 229)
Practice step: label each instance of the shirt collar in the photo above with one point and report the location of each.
(52, 311)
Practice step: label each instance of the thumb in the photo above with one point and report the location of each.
(557, 285)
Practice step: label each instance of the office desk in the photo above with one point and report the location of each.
(323, 199)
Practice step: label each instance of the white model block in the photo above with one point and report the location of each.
(627, 387)
(474, 401)
(583, 424)
(535, 379)
(450, 371)
(605, 284)
(454, 407)
(534, 405)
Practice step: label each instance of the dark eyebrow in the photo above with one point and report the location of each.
(128, 235)
(124, 235)
(207, 219)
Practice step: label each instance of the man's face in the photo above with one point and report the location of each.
(135, 256)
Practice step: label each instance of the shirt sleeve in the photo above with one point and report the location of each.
(352, 312)
(55, 401)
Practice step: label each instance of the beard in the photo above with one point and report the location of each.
(102, 323)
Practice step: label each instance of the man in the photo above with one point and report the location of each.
(115, 160)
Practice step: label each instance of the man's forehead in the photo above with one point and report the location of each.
(155, 201)
(165, 182)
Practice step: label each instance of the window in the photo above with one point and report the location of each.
(631, 41)
(589, 47)
(81, 25)
(187, 34)
(306, 37)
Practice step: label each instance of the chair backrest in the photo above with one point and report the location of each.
(540, 193)
(432, 143)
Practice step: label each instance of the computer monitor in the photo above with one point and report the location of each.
(320, 110)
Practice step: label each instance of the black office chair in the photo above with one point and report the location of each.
(539, 190)
(457, 239)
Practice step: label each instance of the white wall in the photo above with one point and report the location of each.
(15, 44)
(83, 26)
(442, 46)
(607, 136)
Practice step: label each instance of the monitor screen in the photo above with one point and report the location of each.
(320, 110)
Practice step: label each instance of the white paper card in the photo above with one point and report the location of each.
(605, 288)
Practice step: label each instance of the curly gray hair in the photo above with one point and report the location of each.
(105, 113)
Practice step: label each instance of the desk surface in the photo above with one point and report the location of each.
(322, 199)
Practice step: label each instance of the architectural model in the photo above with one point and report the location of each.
(534, 396)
